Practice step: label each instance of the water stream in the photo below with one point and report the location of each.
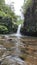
(13, 48)
(17, 44)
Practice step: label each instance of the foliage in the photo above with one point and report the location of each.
(19, 22)
(7, 26)
(7, 18)
(7, 10)
(3, 29)
(2, 2)
(26, 5)
(2, 13)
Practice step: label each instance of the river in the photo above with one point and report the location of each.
(16, 49)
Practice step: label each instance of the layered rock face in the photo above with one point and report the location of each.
(30, 20)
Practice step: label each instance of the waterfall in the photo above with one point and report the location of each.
(18, 30)
(17, 58)
(18, 42)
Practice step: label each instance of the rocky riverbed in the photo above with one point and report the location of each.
(18, 51)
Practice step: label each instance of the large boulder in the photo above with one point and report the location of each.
(30, 20)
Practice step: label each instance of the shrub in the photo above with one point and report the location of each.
(3, 29)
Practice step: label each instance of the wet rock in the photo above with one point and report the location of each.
(30, 20)
(18, 51)
(8, 44)
(13, 61)
(2, 50)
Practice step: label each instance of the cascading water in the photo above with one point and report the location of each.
(18, 42)
(17, 59)
(18, 31)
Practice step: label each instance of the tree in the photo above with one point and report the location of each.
(7, 9)
(2, 2)
(7, 18)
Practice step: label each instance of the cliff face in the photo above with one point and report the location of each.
(30, 19)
